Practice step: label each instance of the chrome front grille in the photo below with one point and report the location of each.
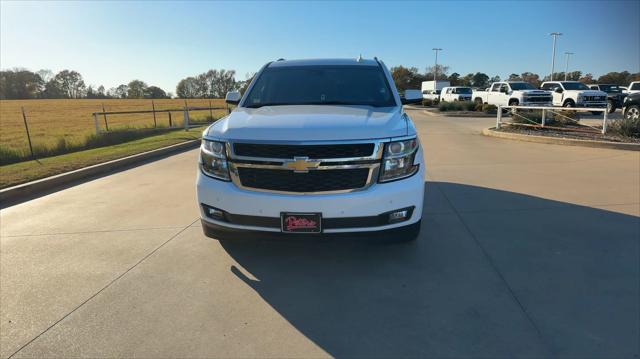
(595, 98)
(305, 167)
(312, 181)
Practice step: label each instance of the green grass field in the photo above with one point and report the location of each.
(64, 137)
(62, 126)
(17, 173)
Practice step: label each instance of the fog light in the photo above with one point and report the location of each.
(398, 216)
(214, 213)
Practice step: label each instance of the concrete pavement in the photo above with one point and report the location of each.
(526, 250)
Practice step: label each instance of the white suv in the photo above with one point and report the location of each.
(314, 146)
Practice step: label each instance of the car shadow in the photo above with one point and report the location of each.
(493, 274)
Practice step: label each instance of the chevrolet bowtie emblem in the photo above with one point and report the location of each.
(301, 164)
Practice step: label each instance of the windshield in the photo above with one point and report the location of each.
(574, 86)
(610, 88)
(521, 86)
(462, 90)
(321, 85)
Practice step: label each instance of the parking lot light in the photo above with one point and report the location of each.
(553, 57)
(566, 68)
(435, 69)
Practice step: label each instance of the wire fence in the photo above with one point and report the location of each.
(539, 116)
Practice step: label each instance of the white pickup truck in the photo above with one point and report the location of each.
(512, 93)
(313, 147)
(634, 87)
(575, 94)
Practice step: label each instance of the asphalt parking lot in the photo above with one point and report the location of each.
(526, 250)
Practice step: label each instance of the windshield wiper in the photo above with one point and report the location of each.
(258, 105)
(346, 103)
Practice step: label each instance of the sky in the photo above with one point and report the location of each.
(114, 42)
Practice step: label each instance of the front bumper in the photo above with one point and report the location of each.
(592, 104)
(358, 211)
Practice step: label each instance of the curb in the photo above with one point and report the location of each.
(25, 191)
(561, 141)
(468, 115)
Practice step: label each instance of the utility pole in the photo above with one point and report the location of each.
(566, 67)
(553, 58)
(435, 69)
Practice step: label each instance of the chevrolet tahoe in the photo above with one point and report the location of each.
(313, 147)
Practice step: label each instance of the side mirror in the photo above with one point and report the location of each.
(504, 90)
(558, 90)
(411, 96)
(233, 97)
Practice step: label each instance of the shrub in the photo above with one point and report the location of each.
(625, 127)
(427, 102)
(450, 106)
(468, 106)
(562, 117)
(479, 107)
(490, 109)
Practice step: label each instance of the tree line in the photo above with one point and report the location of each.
(44, 84)
(410, 77)
(68, 84)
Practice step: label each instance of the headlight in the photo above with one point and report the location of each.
(213, 160)
(397, 161)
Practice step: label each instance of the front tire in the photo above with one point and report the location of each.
(611, 108)
(478, 101)
(632, 113)
(569, 104)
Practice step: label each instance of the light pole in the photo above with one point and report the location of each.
(553, 58)
(435, 69)
(566, 67)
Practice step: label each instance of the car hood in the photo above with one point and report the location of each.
(310, 123)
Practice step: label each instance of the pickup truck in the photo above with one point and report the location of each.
(575, 94)
(455, 93)
(615, 95)
(313, 147)
(512, 93)
(634, 87)
(631, 107)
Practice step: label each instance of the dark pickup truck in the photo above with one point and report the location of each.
(615, 96)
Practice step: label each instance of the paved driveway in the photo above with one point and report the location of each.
(526, 250)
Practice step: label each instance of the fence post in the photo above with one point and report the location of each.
(153, 106)
(95, 119)
(604, 122)
(210, 111)
(544, 117)
(186, 118)
(170, 123)
(499, 117)
(104, 113)
(26, 127)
